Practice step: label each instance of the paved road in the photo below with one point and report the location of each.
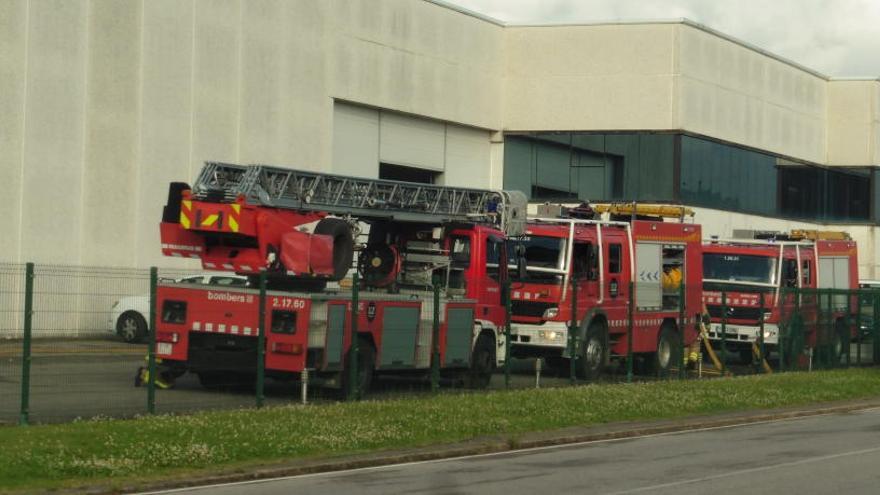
(817, 455)
(71, 379)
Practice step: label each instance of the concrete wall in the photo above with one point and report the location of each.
(853, 121)
(603, 77)
(102, 103)
(731, 92)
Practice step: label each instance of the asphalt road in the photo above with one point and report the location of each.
(86, 379)
(815, 455)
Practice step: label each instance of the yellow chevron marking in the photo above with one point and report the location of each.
(237, 208)
(233, 224)
(184, 220)
(210, 220)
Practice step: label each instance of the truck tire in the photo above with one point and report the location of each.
(838, 342)
(668, 353)
(343, 244)
(366, 366)
(593, 353)
(746, 356)
(482, 363)
(131, 327)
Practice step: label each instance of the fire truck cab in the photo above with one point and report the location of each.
(752, 271)
(564, 252)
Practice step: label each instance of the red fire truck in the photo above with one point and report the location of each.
(566, 251)
(757, 265)
(299, 228)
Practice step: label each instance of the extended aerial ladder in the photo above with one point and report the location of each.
(250, 218)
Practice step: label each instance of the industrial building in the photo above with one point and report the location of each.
(103, 103)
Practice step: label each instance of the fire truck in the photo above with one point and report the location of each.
(301, 231)
(755, 267)
(574, 251)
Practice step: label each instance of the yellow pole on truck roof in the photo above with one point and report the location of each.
(654, 210)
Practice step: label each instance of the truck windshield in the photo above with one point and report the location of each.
(544, 257)
(739, 268)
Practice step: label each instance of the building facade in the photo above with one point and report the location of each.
(102, 103)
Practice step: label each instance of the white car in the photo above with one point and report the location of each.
(129, 315)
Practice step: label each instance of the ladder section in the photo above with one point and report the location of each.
(365, 198)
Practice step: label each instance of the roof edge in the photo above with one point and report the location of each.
(681, 20)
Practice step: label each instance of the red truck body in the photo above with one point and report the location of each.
(602, 259)
(749, 270)
(214, 333)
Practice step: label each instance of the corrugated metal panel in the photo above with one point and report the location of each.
(411, 141)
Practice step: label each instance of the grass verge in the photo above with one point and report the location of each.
(115, 451)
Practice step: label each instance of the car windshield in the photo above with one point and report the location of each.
(542, 254)
(739, 268)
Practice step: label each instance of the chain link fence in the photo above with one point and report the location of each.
(75, 342)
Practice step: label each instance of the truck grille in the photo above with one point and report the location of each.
(530, 308)
(735, 312)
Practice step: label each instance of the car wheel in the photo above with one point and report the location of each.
(131, 327)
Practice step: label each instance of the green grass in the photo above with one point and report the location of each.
(113, 451)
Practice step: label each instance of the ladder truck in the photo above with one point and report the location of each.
(299, 229)
(753, 268)
(567, 251)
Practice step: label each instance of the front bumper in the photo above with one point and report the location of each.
(551, 337)
(744, 333)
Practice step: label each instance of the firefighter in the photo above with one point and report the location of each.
(163, 380)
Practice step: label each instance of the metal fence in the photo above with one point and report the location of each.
(63, 353)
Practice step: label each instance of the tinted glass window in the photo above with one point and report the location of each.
(283, 322)
(614, 258)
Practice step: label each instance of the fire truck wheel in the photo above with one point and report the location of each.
(366, 365)
(343, 244)
(212, 380)
(838, 340)
(594, 352)
(131, 326)
(668, 353)
(482, 362)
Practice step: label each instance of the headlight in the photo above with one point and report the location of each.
(550, 335)
(769, 333)
(550, 313)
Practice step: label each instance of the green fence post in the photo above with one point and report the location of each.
(25, 412)
(761, 347)
(354, 388)
(681, 328)
(572, 334)
(261, 341)
(828, 359)
(151, 347)
(435, 341)
(783, 331)
(845, 338)
(723, 331)
(858, 325)
(630, 309)
(875, 328)
(508, 309)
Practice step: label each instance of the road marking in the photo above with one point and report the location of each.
(502, 453)
(746, 471)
